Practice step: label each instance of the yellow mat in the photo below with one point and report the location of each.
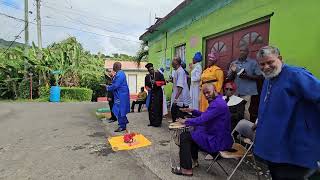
(117, 143)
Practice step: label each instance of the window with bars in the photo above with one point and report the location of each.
(180, 51)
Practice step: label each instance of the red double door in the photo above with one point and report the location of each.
(228, 48)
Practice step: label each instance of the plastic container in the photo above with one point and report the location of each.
(55, 94)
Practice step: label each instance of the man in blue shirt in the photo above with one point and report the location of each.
(120, 90)
(245, 72)
(288, 130)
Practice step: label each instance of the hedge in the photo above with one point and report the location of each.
(69, 94)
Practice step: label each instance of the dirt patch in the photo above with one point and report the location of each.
(101, 149)
(75, 148)
(98, 134)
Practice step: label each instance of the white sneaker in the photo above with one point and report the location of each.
(208, 157)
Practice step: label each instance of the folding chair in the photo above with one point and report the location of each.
(238, 152)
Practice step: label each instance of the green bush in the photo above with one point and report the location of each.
(68, 94)
(44, 92)
(80, 94)
(24, 89)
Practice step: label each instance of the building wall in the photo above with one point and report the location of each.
(140, 77)
(294, 28)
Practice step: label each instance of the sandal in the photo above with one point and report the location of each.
(178, 171)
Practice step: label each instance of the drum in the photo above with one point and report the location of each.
(176, 129)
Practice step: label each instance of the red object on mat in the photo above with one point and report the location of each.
(128, 138)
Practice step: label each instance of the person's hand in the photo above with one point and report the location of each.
(109, 99)
(188, 110)
(254, 127)
(233, 67)
(182, 121)
(244, 75)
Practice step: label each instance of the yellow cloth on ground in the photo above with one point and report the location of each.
(211, 73)
(118, 144)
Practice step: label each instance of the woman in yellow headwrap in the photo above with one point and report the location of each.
(212, 74)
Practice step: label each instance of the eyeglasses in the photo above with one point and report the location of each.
(228, 89)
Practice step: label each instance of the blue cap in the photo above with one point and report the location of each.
(197, 57)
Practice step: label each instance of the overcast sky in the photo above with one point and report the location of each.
(107, 26)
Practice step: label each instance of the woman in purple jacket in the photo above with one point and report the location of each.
(212, 131)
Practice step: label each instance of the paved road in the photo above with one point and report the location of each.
(66, 141)
(60, 141)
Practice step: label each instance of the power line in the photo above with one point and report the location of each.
(66, 27)
(97, 27)
(16, 37)
(10, 5)
(82, 12)
(85, 14)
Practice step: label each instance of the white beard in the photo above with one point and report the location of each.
(273, 74)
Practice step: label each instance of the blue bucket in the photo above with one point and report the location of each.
(55, 94)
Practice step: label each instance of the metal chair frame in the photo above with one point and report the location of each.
(215, 160)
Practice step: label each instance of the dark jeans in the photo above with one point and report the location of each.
(137, 102)
(177, 113)
(113, 117)
(188, 150)
(282, 171)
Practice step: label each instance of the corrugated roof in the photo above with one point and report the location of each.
(126, 65)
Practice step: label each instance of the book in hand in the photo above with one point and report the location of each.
(241, 71)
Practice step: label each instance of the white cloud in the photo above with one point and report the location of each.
(107, 20)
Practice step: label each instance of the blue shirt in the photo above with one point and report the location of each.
(120, 89)
(246, 86)
(288, 129)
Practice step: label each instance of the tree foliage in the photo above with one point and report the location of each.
(78, 67)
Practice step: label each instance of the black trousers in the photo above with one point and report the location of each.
(137, 102)
(113, 117)
(282, 171)
(188, 150)
(177, 113)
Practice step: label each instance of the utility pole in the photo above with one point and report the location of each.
(39, 25)
(26, 34)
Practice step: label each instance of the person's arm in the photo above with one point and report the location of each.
(147, 82)
(196, 75)
(220, 79)
(232, 73)
(256, 73)
(209, 115)
(196, 113)
(307, 86)
(180, 83)
(116, 82)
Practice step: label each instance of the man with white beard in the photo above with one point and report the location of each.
(288, 131)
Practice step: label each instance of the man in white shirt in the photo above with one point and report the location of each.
(180, 97)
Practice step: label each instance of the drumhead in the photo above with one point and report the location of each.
(176, 125)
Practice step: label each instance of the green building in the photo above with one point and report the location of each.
(225, 25)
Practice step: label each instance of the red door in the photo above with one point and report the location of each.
(228, 48)
(253, 37)
(223, 46)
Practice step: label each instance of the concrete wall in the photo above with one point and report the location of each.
(294, 28)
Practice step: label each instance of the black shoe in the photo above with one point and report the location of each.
(150, 125)
(112, 120)
(120, 129)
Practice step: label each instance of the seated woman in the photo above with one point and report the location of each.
(236, 104)
(212, 132)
